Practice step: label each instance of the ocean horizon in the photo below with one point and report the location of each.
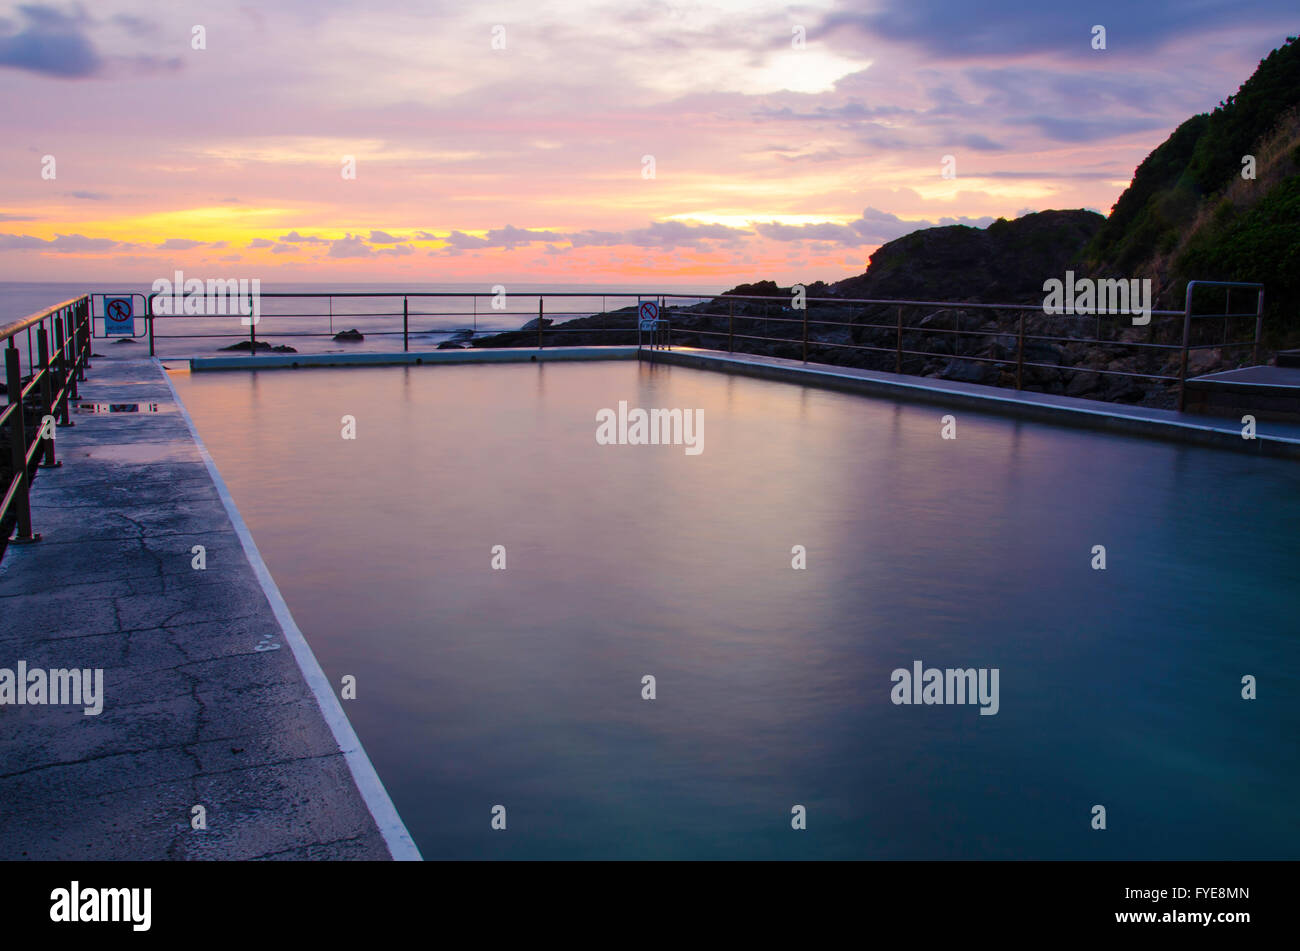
(378, 318)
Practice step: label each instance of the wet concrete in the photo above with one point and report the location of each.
(211, 697)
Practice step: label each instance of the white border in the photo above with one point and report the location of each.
(400, 844)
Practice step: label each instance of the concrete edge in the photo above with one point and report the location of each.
(1063, 410)
(400, 844)
(1210, 385)
(280, 361)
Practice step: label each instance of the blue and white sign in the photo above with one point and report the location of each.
(119, 316)
(648, 314)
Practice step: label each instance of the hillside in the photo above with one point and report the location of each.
(1190, 214)
(1006, 262)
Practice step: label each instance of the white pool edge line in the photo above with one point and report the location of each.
(377, 801)
(1065, 411)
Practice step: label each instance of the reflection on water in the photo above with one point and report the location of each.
(122, 408)
(523, 687)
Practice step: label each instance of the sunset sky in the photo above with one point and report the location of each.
(527, 162)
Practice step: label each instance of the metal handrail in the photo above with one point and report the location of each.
(1187, 323)
(9, 330)
(51, 383)
(809, 343)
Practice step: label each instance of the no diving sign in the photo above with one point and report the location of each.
(648, 314)
(119, 316)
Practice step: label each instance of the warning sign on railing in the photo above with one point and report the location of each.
(648, 314)
(119, 316)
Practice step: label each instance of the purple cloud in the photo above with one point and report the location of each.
(51, 44)
(873, 227)
(350, 247)
(293, 237)
(69, 243)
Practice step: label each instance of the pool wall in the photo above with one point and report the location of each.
(1270, 439)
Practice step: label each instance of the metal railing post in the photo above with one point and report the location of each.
(78, 342)
(18, 446)
(47, 392)
(731, 327)
(1227, 309)
(406, 345)
(88, 330)
(540, 310)
(1259, 324)
(148, 311)
(1187, 339)
(70, 344)
(898, 345)
(1020, 351)
(805, 332)
(61, 361)
(252, 331)
(78, 345)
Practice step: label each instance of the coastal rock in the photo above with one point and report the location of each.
(1203, 361)
(1038, 352)
(532, 324)
(760, 289)
(971, 371)
(1003, 263)
(1082, 384)
(349, 336)
(1119, 389)
(942, 345)
(249, 345)
(450, 345)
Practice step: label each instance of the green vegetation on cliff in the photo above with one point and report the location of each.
(1190, 214)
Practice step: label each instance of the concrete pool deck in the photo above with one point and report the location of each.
(211, 697)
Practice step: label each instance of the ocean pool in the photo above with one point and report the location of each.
(774, 685)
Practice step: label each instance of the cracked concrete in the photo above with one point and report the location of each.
(203, 704)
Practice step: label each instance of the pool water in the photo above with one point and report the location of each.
(522, 687)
